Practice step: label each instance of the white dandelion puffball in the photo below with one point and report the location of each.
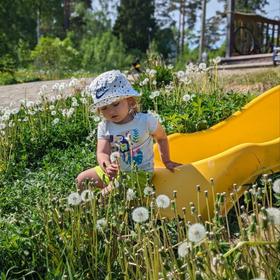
(148, 191)
(100, 224)
(74, 198)
(183, 249)
(140, 214)
(276, 186)
(186, 97)
(114, 156)
(273, 215)
(196, 232)
(163, 201)
(87, 195)
(130, 194)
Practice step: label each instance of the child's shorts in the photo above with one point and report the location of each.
(143, 178)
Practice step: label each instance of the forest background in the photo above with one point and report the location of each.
(55, 39)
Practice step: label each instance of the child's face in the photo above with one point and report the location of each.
(117, 112)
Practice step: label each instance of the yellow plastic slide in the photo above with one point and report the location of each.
(235, 151)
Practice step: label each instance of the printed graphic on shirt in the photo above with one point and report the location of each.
(123, 145)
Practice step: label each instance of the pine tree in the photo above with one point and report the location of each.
(135, 23)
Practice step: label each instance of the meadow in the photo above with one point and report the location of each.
(49, 231)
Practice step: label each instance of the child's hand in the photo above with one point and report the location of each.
(170, 165)
(112, 170)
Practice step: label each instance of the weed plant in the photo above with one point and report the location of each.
(49, 231)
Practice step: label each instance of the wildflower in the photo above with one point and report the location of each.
(55, 87)
(100, 224)
(154, 83)
(86, 195)
(114, 157)
(186, 97)
(152, 72)
(273, 215)
(84, 100)
(140, 214)
(53, 113)
(55, 121)
(196, 232)
(96, 118)
(163, 201)
(73, 82)
(144, 82)
(52, 107)
(180, 74)
(183, 249)
(74, 199)
(43, 88)
(217, 60)
(61, 86)
(148, 191)
(202, 66)
(276, 186)
(130, 194)
(154, 94)
(170, 66)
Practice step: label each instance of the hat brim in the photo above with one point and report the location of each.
(110, 100)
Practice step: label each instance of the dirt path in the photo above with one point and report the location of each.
(11, 95)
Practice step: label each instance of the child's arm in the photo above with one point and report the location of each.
(103, 157)
(161, 138)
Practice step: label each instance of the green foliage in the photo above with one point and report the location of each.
(189, 55)
(54, 54)
(103, 53)
(7, 78)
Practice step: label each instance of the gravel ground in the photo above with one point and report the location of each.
(11, 95)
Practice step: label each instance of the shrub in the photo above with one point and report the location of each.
(104, 52)
(54, 54)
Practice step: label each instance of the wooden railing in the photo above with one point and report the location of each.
(254, 34)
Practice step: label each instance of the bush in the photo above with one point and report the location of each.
(56, 55)
(103, 53)
(7, 78)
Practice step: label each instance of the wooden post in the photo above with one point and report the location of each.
(230, 27)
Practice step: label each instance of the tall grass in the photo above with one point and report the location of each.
(49, 232)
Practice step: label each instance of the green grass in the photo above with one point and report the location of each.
(43, 237)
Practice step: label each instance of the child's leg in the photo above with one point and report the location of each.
(91, 175)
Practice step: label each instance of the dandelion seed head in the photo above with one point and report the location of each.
(140, 214)
(196, 232)
(114, 157)
(148, 191)
(163, 201)
(183, 249)
(74, 199)
(186, 97)
(130, 194)
(100, 224)
(276, 186)
(273, 215)
(86, 195)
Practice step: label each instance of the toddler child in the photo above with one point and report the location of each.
(124, 132)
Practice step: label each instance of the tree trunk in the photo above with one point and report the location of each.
(66, 15)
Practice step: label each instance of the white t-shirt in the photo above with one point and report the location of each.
(137, 134)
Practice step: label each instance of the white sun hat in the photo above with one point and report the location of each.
(109, 87)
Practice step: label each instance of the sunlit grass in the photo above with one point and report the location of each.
(45, 234)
